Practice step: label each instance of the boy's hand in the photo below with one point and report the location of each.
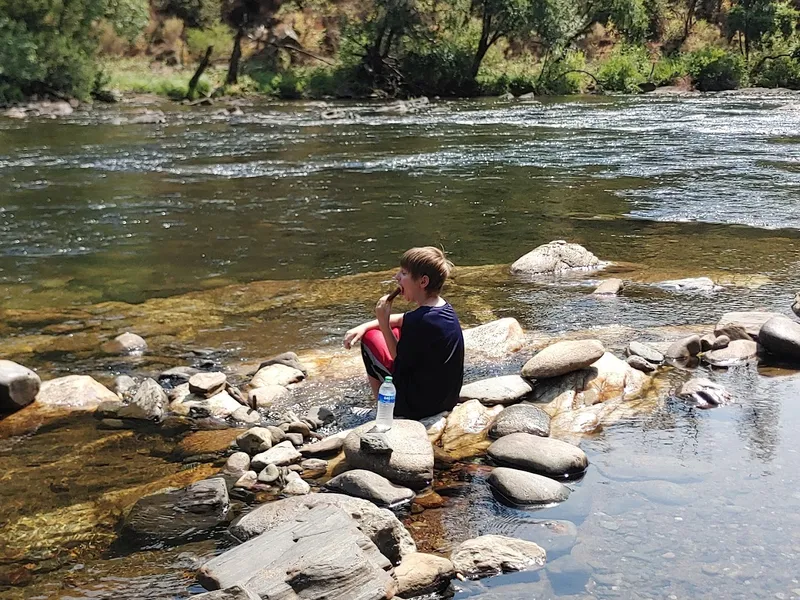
(383, 310)
(353, 336)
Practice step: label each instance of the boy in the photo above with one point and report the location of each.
(422, 349)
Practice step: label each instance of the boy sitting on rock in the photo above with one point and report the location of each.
(423, 349)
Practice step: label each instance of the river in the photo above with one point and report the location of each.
(105, 226)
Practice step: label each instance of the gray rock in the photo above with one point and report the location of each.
(780, 336)
(268, 395)
(270, 474)
(177, 375)
(182, 514)
(276, 374)
(692, 284)
(299, 427)
(147, 404)
(327, 446)
(651, 355)
(705, 393)
(379, 524)
(540, 455)
(314, 467)
(125, 386)
(521, 418)
(247, 480)
(232, 593)
(220, 405)
(684, 348)
(278, 435)
(720, 342)
(279, 455)
(289, 359)
(796, 304)
(737, 352)
(526, 489)
(375, 443)
(18, 385)
(246, 415)
(237, 464)
(126, 343)
(295, 486)
(149, 117)
(493, 340)
(108, 410)
(494, 554)
(321, 555)
(707, 341)
(563, 357)
(74, 392)
(370, 486)
(640, 364)
(555, 257)
(421, 574)
(751, 322)
(295, 438)
(320, 414)
(608, 287)
(508, 389)
(207, 384)
(411, 460)
(732, 332)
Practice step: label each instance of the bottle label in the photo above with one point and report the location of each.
(385, 398)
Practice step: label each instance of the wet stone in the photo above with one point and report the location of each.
(562, 358)
(640, 364)
(255, 440)
(269, 474)
(126, 343)
(493, 554)
(507, 389)
(280, 455)
(540, 455)
(370, 486)
(651, 355)
(526, 489)
(147, 404)
(177, 375)
(684, 348)
(207, 384)
(525, 418)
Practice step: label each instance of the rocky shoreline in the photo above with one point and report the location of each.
(317, 496)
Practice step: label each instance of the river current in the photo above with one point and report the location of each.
(137, 222)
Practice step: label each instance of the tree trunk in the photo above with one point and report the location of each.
(483, 44)
(199, 73)
(236, 55)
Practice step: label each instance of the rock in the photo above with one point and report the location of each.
(245, 415)
(521, 488)
(266, 396)
(299, 427)
(375, 443)
(527, 96)
(147, 404)
(295, 486)
(149, 117)
(608, 287)
(18, 385)
(179, 515)
(411, 460)
(493, 340)
(640, 364)
(15, 113)
(295, 438)
(525, 418)
(279, 455)
(494, 554)
(651, 355)
(289, 359)
(232, 593)
(177, 375)
(237, 464)
(220, 406)
(692, 284)
(720, 342)
(59, 108)
(751, 322)
(247, 480)
(684, 348)
(278, 435)
(507, 389)
(320, 553)
(737, 352)
(108, 410)
(508, 96)
(563, 357)
(555, 257)
(314, 467)
(276, 374)
(320, 414)
(270, 474)
(466, 431)
(327, 446)
(545, 456)
(421, 574)
(732, 332)
(370, 486)
(126, 343)
(796, 304)
(780, 336)
(434, 425)
(125, 386)
(75, 392)
(705, 393)
(112, 96)
(207, 384)
(379, 524)
(180, 393)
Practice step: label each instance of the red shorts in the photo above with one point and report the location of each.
(377, 359)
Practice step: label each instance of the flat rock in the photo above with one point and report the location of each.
(555, 257)
(691, 284)
(684, 348)
(74, 392)
(207, 384)
(466, 431)
(751, 321)
(266, 396)
(255, 440)
(18, 385)
(732, 332)
(289, 359)
(279, 455)
(314, 467)
(640, 364)
(220, 405)
(608, 287)
(545, 456)
(736, 352)
(327, 446)
(147, 404)
(177, 375)
(232, 593)
(379, 524)
(562, 358)
(526, 489)
(246, 415)
(370, 486)
(651, 355)
(276, 374)
(508, 389)
(705, 393)
(493, 340)
(494, 554)
(421, 574)
(780, 336)
(520, 418)
(126, 343)
(410, 462)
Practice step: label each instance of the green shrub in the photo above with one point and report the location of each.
(218, 35)
(668, 70)
(625, 70)
(715, 69)
(781, 72)
(440, 70)
(563, 78)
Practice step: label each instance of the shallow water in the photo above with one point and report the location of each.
(164, 229)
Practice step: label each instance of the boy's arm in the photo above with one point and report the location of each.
(354, 335)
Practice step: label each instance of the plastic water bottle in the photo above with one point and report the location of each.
(386, 396)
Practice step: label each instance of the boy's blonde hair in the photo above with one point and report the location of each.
(429, 261)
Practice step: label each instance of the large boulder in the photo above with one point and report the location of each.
(750, 321)
(780, 336)
(319, 554)
(562, 358)
(410, 460)
(555, 257)
(508, 389)
(736, 352)
(179, 515)
(545, 456)
(379, 524)
(370, 486)
(147, 404)
(494, 554)
(520, 418)
(521, 488)
(232, 593)
(18, 386)
(421, 574)
(74, 392)
(493, 340)
(466, 429)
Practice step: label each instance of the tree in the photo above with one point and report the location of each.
(754, 20)
(195, 13)
(244, 16)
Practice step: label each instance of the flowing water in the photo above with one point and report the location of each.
(227, 238)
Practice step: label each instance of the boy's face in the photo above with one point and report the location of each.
(412, 288)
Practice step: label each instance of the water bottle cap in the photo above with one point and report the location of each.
(387, 379)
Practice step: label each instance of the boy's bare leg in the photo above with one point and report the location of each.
(375, 385)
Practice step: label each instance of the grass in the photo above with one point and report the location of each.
(142, 77)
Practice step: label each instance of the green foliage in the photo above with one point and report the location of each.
(782, 71)
(668, 70)
(630, 17)
(625, 69)
(196, 13)
(563, 77)
(129, 17)
(218, 35)
(715, 69)
(439, 69)
(757, 20)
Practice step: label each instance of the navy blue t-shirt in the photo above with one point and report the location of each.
(429, 366)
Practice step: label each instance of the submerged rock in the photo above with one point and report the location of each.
(494, 340)
(520, 418)
(684, 348)
(18, 385)
(751, 321)
(651, 355)
(493, 554)
(540, 455)
(692, 284)
(780, 336)
(126, 343)
(421, 574)
(74, 392)
(370, 486)
(705, 393)
(562, 358)
(736, 352)
(526, 489)
(507, 389)
(608, 287)
(555, 257)
(466, 429)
